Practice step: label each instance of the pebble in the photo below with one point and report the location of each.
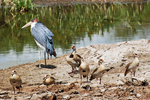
(138, 95)
(66, 97)
(103, 90)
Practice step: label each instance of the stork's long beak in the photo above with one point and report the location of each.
(28, 24)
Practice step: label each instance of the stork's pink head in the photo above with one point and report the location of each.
(35, 20)
(29, 23)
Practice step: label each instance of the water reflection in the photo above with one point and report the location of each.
(79, 25)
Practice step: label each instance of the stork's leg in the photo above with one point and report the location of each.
(39, 59)
(45, 56)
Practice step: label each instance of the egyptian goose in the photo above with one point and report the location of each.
(76, 56)
(74, 60)
(72, 63)
(131, 67)
(84, 69)
(15, 80)
(47, 80)
(99, 72)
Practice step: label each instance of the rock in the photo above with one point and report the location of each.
(34, 97)
(85, 95)
(87, 87)
(135, 82)
(98, 95)
(53, 97)
(138, 95)
(3, 92)
(73, 91)
(103, 90)
(66, 97)
(113, 88)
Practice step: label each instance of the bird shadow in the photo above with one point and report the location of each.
(47, 66)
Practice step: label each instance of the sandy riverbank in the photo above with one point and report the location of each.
(114, 55)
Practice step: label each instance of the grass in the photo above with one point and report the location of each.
(20, 5)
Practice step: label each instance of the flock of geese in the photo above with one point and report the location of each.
(77, 61)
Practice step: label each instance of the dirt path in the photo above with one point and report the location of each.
(67, 87)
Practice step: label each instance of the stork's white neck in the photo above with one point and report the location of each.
(33, 24)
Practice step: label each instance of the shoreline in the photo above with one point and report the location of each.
(114, 55)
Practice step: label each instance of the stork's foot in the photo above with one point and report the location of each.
(40, 66)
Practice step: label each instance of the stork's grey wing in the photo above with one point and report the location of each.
(44, 30)
(39, 36)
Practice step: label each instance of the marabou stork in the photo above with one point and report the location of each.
(43, 38)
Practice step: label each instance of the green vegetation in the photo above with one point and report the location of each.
(72, 23)
(23, 4)
(20, 5)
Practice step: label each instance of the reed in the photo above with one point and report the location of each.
(20, 5)
(72, 23)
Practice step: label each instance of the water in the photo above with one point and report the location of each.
(79, 25)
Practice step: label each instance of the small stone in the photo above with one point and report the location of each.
(113, 88)
(53, 97)
(103, 90)
(98, 95)
(73, 92)
(66, 97)
(138, 95)
(87, 87)
(84, 95)
(34, 97)
(3, 92)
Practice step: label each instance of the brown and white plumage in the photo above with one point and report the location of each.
(99, 72)
(76, 56)
(74, 60)
(15, 80)
(132, 66)
(47, 80)
(84, 69)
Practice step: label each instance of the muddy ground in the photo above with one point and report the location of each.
(114, 84)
